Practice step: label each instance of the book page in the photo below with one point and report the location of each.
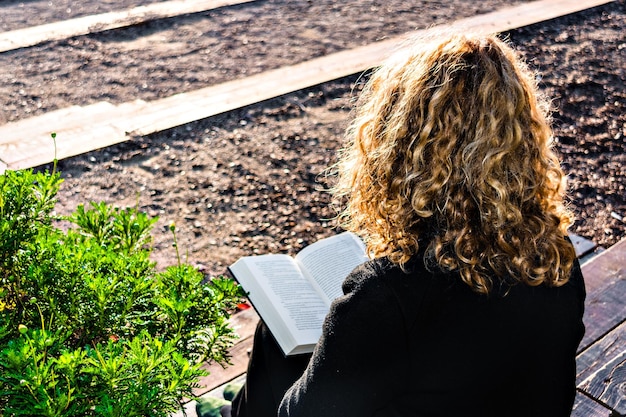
(293, 297)
(329, 261)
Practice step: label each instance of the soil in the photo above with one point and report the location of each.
(251, 180)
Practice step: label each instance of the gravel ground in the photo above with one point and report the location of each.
(249, 181)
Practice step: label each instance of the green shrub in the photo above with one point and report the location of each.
(88, 326)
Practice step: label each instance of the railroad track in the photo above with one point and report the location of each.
(80, 129)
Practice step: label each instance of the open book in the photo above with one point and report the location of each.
(293, 295)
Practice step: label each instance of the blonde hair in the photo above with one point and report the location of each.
(451, 150)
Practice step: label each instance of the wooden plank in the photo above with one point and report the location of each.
(608, 384)
(147, 118)
(607, 266)
(586, 407)
(22, 38)
(244, 323)
(603, 312)
(79, 130)
(601, 372)
(596, 356)
(601, 369)
(605, 308)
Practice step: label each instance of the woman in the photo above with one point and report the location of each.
(472, 303)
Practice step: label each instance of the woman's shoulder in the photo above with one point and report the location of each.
(404, 284)
(373, 273)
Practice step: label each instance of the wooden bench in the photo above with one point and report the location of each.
(601, 361)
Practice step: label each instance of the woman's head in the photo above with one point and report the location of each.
(450, 151)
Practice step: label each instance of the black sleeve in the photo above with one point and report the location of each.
(360, 355)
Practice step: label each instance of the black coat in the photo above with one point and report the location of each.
(424, 344)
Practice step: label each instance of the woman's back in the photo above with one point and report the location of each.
(434, 347)
(500, 356)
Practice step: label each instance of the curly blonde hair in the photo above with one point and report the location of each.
(451, 150)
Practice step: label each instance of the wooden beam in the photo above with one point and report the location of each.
(601, 369)
(606, 267)
(25, 143)
(601, 373)
(605, 279)
(79, 130)
(586, 407)
(22, 38)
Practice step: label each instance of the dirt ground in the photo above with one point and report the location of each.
(251, 180)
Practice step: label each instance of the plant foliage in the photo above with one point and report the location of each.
(88, 326)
